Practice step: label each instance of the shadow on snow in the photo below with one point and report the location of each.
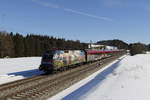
(91, 84)
(27, 73)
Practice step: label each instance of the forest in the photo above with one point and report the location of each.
(17, 45)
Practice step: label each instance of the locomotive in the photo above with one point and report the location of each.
(57, 59)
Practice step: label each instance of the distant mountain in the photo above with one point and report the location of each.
(118, 43)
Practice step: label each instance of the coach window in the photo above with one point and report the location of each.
(66, 51)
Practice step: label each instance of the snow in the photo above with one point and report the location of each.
(124, 79)
(18, 68)
(127, 78)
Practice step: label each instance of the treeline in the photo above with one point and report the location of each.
(17, 45)
(135, 48)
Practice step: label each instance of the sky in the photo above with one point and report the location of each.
(84, 20)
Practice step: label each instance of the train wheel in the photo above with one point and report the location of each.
(48, 71)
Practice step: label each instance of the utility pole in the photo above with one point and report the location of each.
(91, 44)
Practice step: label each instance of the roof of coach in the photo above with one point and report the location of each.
(100, 51)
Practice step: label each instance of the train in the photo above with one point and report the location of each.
(53, 60)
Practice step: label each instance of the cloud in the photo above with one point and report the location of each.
(51, 5)
(55, 6)
(87, 14)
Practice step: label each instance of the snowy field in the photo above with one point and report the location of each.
(12, 69)
(124, 79)
(127, 78)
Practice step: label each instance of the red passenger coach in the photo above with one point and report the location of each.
(100, 52)
(93, 55)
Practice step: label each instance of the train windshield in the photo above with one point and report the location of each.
(47, 55)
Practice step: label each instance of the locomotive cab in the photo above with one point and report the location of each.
(47, 61)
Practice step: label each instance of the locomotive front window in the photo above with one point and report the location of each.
(47, 56)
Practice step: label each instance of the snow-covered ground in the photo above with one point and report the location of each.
(18, 68)
(125, 79)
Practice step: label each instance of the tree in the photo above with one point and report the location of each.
(6, 45)
(137, 48)
(18, 45)
(148, 47)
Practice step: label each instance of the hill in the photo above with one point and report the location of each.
(118, 43)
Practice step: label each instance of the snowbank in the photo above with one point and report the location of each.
(129, 81)
(18, 68)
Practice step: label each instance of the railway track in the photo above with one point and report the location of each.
(44, 86)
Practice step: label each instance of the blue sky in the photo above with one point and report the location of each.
(84, 20)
